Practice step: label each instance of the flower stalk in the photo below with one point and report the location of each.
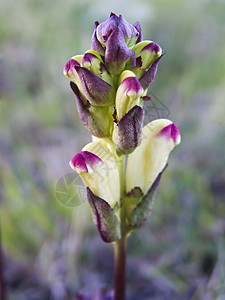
(110, 83)
(120, 246)
(120, 269)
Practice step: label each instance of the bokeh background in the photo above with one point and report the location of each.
(52, 250)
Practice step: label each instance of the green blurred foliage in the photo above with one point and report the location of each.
(180, 252)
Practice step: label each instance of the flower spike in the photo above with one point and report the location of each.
(122, 167)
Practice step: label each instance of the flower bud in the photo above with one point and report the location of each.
(92, 61)
(144, 165)
(128, 94)
(97, 120)
(98, 169)
(130, 32)
(147, 52)
(127, 134)
(117, 55)
(70, 71)
(105, 29)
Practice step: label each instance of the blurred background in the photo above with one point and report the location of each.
(51, 249)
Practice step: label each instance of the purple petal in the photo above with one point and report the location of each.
(95, 44)
(104, 218)
(117, 54)
(81, 159)
(152, 47)
(70, 66)
(96, 90)
(91, 158)
(78, 162)
(84, 114)
(88, 58)
(105, 29)
(130, 33)
(129, 131)
(132, 85)
(171, 131)
(138, 27)
(147, 79)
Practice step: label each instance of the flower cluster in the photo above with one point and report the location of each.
(110, 83)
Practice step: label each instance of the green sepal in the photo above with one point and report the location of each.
(143, 210)
(132, 199)
(104, 218)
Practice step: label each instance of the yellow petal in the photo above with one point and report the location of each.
(103, 178)
(149, 159)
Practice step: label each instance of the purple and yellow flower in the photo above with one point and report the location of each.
(97, 166)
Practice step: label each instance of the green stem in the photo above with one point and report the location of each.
(120, 269)
(120, 245)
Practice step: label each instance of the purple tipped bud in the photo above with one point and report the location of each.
(105, 29)
(88, 60)
(128, 136)
(147, 52)
(86, 118)
(132, 86)
(70, 67)
(128, 94)
(92, 61)
(70, 71)
(130, 33)
(117, 54)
